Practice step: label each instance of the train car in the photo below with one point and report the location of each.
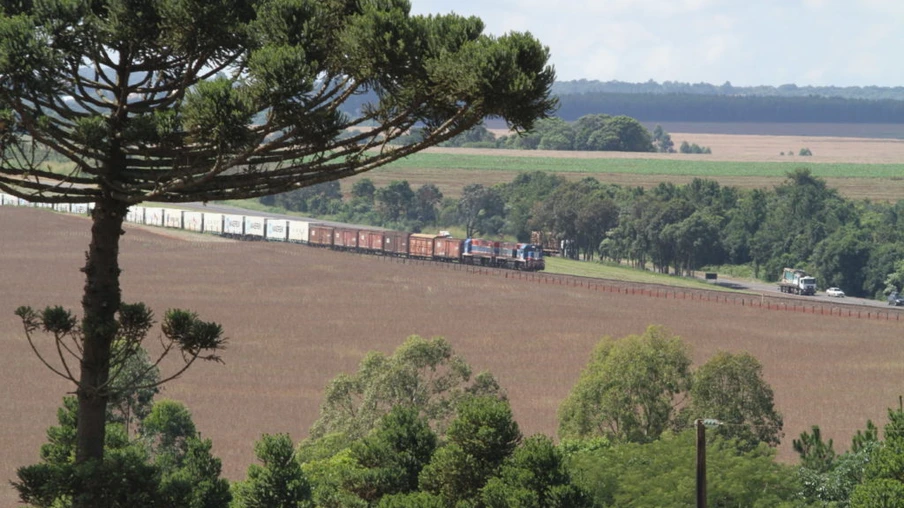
(446, 248)
(135, 214)
(507, 255)
(254, 228)
(78, 208)
(299, 231)
(172, 218)
(277, 230)
(345, 239)
(60, 207)
(370, 241)
(7, 200)
(212, 223)
(477, 251)
(193, 221)
(233, 226)
(320, 235)
(421, 245)
(153, 216)
(395, 243)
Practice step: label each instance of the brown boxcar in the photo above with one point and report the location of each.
(447, 248)
(320, 235)
(395, 243)
(345, 238)
(420, 245)
(370, 241)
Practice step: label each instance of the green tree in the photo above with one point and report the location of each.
(182, 331)
(392, 456)
(662, 141)
(278, 482)
(136, 473)
(730, 388)
(534, 476)
(629, 390)
(815, 453)
(883, 474)
(133, 389)
(423, 373)
(661, 474)
(395, 201)
(194, 100)
(481, 210)
(427, 198)
(196, 483)
(482, 435)
(167, 430)
(364, 189)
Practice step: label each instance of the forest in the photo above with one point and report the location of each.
(703, 102)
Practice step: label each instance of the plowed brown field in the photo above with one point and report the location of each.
(298, 316)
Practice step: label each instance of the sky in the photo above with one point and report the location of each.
(745, 42)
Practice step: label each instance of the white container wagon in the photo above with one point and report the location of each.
(79, 208)
(172, 218)
(61, 207)
(298, 231)
(233, 225)
(254, 227)
(193, 221)
(153, 216)
(135, 215)
(213, 223)
(277, 230)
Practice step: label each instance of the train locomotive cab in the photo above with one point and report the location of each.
(530, 257)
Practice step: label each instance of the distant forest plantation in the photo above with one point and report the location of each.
(671, 103)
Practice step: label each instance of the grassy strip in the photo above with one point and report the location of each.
(644, 166)
(624, 274)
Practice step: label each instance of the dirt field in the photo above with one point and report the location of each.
(725, 147)
(297, 316)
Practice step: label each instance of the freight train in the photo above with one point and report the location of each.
(439, 247)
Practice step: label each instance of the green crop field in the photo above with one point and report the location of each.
(672, 167)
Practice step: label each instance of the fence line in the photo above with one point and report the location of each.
(761, 301)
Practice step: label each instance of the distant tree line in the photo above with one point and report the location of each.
(704, 102)
(856, 245)
(687, 107)
(583, 86)
(597, 132)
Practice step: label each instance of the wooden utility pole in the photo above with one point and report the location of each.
(701, 463)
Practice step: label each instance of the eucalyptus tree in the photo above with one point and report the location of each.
(116, 102)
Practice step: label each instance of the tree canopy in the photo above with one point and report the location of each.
(424, 374)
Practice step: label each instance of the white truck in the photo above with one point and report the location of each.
(796, 281)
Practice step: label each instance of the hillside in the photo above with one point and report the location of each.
(298, 316)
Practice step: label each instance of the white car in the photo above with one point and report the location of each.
(836, 292)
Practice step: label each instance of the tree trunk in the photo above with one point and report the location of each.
(100, 304)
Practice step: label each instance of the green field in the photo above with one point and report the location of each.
(644, 166)
(625, 274)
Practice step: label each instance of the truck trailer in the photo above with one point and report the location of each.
(798, 282)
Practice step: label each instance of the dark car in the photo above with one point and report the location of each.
(895, 299)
